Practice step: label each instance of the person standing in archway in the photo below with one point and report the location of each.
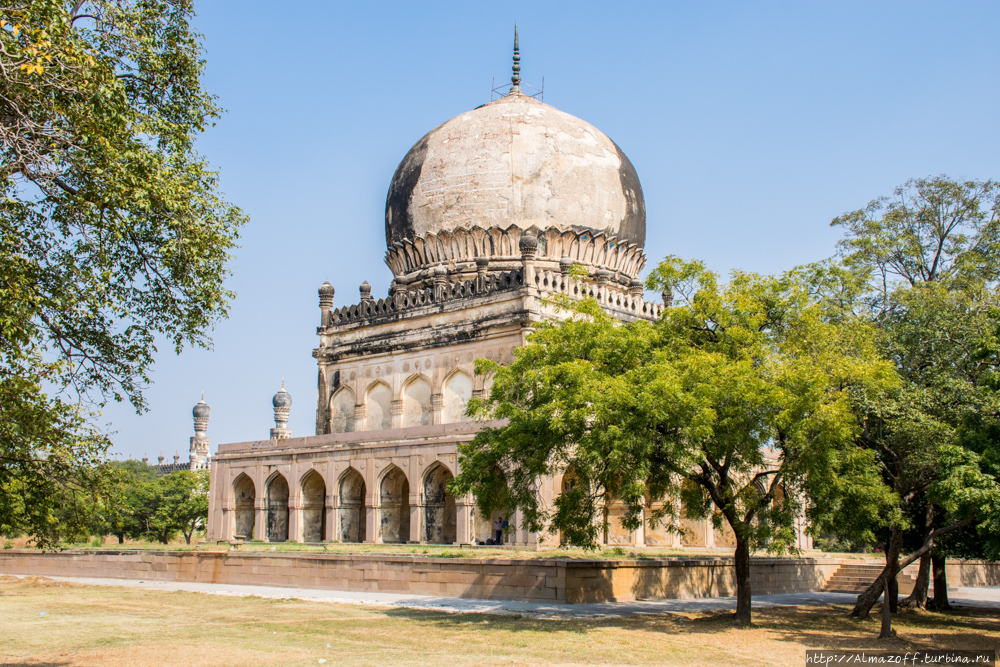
(498, 530)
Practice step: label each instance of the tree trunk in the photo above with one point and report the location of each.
(940, 601)
(867, 599)
(891, 567)
(741, 559)
(918, 598)
(894, 595)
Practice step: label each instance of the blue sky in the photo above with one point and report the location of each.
(751, 125)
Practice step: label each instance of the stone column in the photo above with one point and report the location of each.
(639, 534)
(295, 533)
(709, 534)
(216, 496)
(463, 512)
(371, 524)
(260, 517)
(529, 248)
(332, 534)
(602, 286)
(359, 418)
(437, 408)
(482, 263)
(396, 412)
(565, 264)
(416, 519)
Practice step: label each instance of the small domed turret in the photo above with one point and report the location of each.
(282, 399)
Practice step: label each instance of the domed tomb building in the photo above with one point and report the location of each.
(485, 217)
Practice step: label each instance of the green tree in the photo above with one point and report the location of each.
(736, 402)
(922, 267)
(113, 232)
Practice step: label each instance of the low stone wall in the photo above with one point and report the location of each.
(572, 581)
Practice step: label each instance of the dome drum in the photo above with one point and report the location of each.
(457, 250)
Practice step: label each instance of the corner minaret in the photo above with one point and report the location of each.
(200, 442)
(282, 403)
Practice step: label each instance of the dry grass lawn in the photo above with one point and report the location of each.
(43, 622)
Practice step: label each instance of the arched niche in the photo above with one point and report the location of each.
(394, 507)
(457, 392)
(417, 402)
(352, 507)
(277, 509)
(342, 411)
(440, 517)
(378, 399)
(245, 494)
(313, 507)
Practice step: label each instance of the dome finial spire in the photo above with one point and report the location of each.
(515, 78)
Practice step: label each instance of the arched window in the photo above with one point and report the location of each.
(378, 401)
(457, 392)
(417, 403)
(342, 411)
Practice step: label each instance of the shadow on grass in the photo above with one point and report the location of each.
(820, 626)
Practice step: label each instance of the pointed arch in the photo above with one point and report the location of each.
(245, 495)
(351, 506)
(342, 411)
(417, 401)
(440, 515)
(378, 399)
(394, 506)
(313, 507)
(457, 392)
(277, 508)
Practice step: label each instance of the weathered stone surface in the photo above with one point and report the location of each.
(517, 161)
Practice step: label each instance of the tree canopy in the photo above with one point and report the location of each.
(735, 402)
(922, 266)
(113, 231)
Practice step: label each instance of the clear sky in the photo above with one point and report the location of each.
(750, 124)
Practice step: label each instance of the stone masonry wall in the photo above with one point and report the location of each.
(572, 581)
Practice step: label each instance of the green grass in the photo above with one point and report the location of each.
(97, 625)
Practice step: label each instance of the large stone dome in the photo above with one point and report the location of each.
(515, 162)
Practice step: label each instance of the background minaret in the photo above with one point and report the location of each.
(282, 403)
(200, 442)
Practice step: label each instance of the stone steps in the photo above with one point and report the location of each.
(856, 578)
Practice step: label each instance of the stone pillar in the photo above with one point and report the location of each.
(565, 264)
(709, 534)
(463, 512)
(360, 412)
(529, 248)
(437, 408)
(372, 535)
(482, 263)
(440, 283)
(326, 293)
(602, 286)
(260, 516)
(639, 534)
(396, 412)
(216, 498)
(416, 519)
(332, 532)
(295, 533)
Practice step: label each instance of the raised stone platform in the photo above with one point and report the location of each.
(566, 581)
(559, 581)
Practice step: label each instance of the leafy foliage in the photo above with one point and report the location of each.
(922, 268)
(112, 229)
(736, 402)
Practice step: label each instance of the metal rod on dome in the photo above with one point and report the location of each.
(515, 78)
